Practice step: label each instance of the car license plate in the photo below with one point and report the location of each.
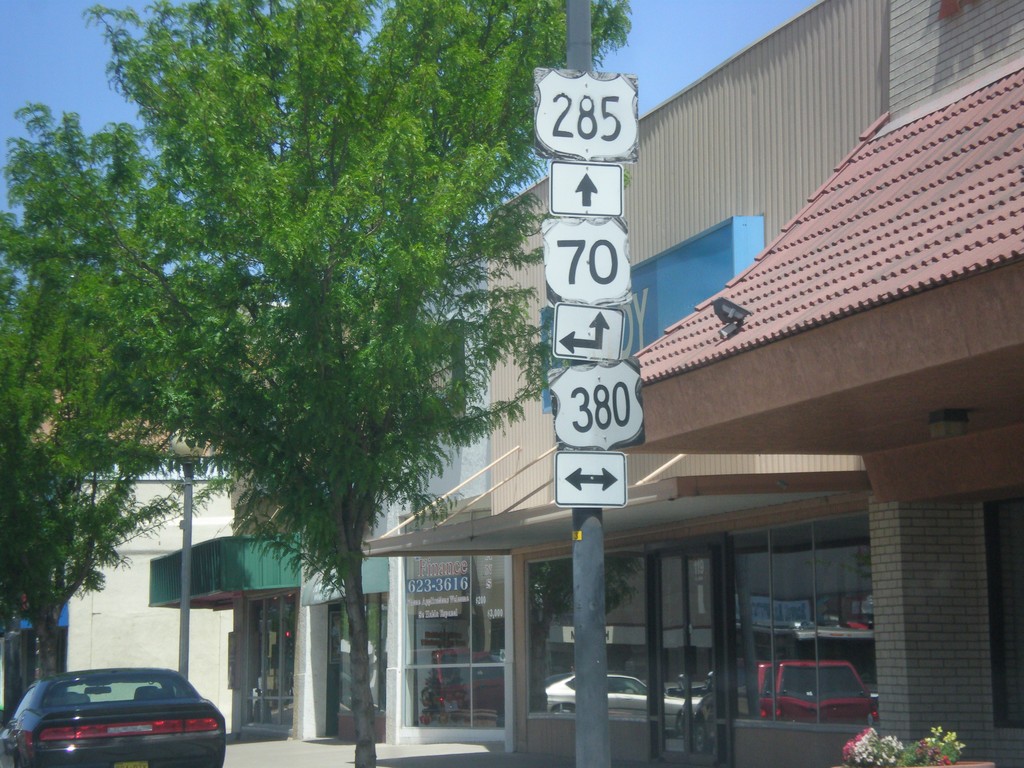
(133, 764)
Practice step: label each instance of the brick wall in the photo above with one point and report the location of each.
(929, 55)
(932, 645)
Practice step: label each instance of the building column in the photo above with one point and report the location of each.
(301, 719)
(932, 647)
(395, 691)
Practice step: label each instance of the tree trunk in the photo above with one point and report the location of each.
(539, 631)
(363, 710)
(13, 685)
(46, 624)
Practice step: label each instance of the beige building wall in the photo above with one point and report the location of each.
(758, 134)
(116, 627)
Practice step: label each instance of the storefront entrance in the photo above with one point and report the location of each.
(271, 661)
(687, 651)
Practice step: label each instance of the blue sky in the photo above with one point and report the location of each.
(49, 55)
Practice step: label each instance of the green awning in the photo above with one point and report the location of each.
(376, 579)
(222, 570)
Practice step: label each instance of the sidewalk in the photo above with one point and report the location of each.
(329, 753)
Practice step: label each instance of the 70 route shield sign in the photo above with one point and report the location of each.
(598, 406)
(587, 260)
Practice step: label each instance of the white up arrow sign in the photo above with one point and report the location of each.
(586, 189)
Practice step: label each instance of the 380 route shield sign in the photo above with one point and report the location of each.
(589, 116)
(598, 406)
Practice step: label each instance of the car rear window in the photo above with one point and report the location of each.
(798, 682)
(839, 682)
(802, 682)
(116, 688)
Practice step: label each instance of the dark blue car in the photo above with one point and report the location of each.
(115, 718)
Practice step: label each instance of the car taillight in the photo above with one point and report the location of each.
(202, 724)
(57, 734)
(27, 743)
(140, 728)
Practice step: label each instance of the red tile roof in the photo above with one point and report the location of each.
(911, 209)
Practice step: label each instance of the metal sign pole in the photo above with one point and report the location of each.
(593, 746)
(578, 46)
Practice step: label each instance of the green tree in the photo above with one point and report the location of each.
(70, 456)
(327, 247)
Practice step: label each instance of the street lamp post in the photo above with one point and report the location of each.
(186, 571)
(188, 455)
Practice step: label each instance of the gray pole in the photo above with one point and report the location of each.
(578, 47)
(186, 570)
(593, 747)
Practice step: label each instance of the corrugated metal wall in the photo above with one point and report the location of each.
(756, 136)
(762, 132)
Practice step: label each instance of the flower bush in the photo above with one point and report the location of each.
(938, 749)
(869, 750)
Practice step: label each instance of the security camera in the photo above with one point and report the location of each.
(730, 314)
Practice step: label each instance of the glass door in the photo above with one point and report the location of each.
(688, 655)
(271, 661)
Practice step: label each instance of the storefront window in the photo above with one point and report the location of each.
(1005, 521)
(805, 623)
(340, 656)
(551, 647)
(753, 620)
(455, 608)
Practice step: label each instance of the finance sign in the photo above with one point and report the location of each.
(598, 406)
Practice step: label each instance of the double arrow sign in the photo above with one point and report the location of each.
(606, 479)
(580, 475)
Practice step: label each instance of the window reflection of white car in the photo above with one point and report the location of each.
(703, 715)
(625, 694)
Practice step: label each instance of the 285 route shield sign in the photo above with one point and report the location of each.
(590, 116)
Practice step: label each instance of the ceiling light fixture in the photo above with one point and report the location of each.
(948, 422)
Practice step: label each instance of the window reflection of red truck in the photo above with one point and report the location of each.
(445, 693)
(841, 698)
